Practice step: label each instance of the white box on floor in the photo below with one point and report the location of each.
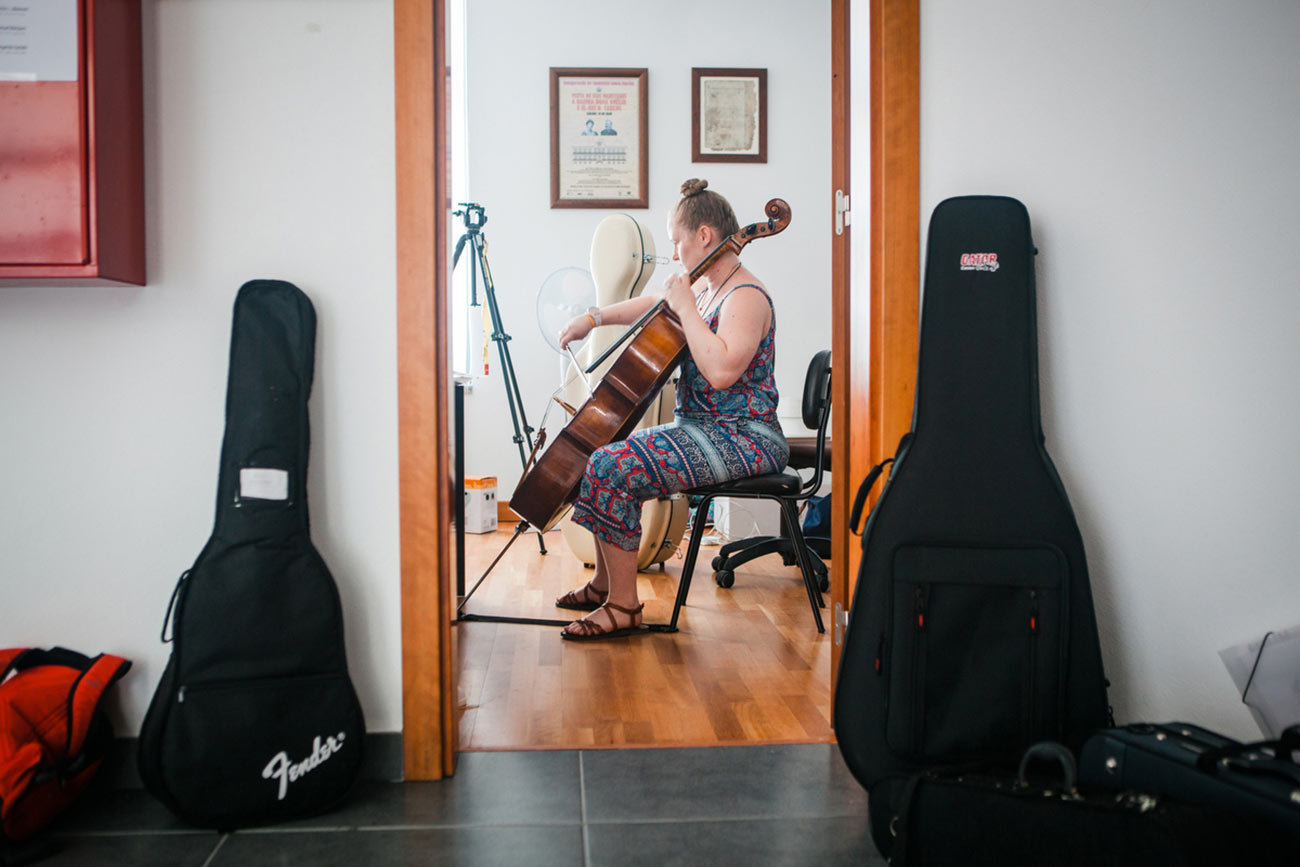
(737, 518)
(480, 504)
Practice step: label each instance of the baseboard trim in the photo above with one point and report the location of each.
(382, 760)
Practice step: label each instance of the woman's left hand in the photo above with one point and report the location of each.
(678, 294)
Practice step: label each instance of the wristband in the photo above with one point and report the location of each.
(593, 313)
(591, 319)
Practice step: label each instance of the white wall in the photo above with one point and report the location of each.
(512, 45)
(268, 153)
(1154, 144)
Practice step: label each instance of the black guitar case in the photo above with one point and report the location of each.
(255, 719)
(971, 633)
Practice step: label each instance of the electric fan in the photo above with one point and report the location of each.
(566, 293)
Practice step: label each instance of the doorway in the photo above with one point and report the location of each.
(870, 415)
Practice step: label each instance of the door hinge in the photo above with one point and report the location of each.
(843, 216)
(840, 621)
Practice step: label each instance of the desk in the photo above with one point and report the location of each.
(803, 453)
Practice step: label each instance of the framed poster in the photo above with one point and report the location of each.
(729, 115)
(599, 153)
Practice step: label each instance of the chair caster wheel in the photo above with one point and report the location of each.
(718, 562)
(724, 577)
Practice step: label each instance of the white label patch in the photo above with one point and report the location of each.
(257, 483)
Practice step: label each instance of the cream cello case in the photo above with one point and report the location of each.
(622, 260)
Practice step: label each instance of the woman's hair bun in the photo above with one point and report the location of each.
(693, 187)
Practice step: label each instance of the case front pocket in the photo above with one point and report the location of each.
(977, 635)
(257, 751)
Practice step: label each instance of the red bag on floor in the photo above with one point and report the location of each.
(53, 732)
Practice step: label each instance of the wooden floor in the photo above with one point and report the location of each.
(747, 665)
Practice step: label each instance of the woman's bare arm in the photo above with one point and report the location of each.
(742, 322)
(622, 313)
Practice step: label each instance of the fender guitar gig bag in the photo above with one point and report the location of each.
(971, 634)
(255, 719)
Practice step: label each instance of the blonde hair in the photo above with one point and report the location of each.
(700, 206)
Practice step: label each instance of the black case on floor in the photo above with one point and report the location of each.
(947, 818)
(255, 719)
(972, 633)
(1195, 765)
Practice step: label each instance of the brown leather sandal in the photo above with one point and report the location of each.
(585, 598)
(593, 631)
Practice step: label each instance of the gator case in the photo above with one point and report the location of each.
(972, 633)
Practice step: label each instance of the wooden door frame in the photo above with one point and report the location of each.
(423, 377)
(874, 378)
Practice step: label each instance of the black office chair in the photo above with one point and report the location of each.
(787, 488)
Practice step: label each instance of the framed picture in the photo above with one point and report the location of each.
(599, 146)
(729, 115)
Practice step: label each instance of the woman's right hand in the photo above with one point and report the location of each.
(678, 294)
(577, 328)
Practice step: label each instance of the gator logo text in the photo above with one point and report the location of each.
(979, 261)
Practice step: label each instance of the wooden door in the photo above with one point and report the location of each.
(875, 322)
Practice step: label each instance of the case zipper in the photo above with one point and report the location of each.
(1032, 686)
(252, 683)
(921, 596)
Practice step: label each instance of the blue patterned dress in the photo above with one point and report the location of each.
(717, 435)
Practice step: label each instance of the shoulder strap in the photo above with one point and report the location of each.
(7, 658)
(870, 482)
(718, 307)
(86, 694)
(23, 659)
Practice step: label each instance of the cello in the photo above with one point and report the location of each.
(622, 262)
(655, 346)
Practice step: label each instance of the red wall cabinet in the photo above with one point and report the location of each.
(72, 143)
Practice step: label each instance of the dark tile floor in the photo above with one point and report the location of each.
(755, 805)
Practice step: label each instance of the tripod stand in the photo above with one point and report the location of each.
(475, 217)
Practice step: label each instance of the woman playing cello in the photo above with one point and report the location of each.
(725, 425)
